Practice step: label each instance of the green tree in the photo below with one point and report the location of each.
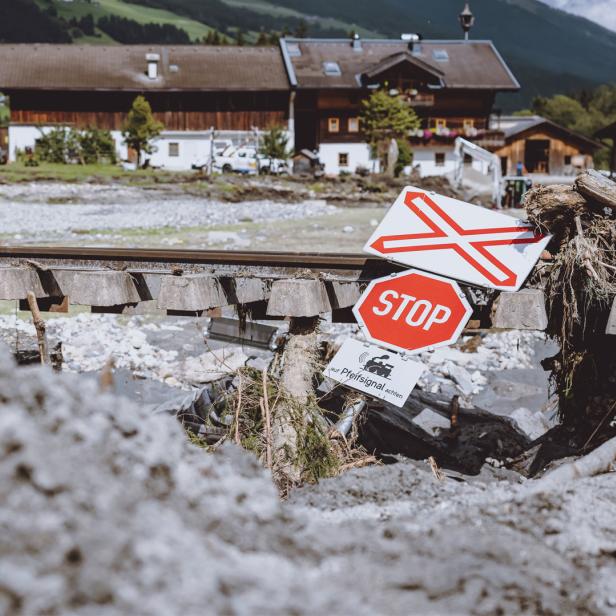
(274, 143)
(385, 117)
(561, 109)
(405, 156)
(140, 128)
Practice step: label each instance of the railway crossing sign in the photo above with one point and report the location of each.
(374, 371)
(456, 239)
(412, 311)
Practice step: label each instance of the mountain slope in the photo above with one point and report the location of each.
(548, 50)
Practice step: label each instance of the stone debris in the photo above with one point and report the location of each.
(532, 423)
(89, 340)
(108, 509)
(51, 212)
(495, 351)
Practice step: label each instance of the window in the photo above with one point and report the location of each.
(333, 125)
(174, 149)
(440, 55)
(439, 159)
(468, 123)
(332, 69)
(441, 123)
(343, 159)
(567, 160)
(294, 50)
(353, 125)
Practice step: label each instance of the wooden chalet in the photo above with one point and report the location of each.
(542, 146)
(451, 85)
(190, 88)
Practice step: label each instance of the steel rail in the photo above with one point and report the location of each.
(307, 260)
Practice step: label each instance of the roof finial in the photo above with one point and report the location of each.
(467, 19)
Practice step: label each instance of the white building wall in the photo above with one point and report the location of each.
(193, 146)
(23, 136)
(425, 160)
(358, 155)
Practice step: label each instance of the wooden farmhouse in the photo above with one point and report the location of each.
(542, 147)
(451, 85)
(191, 89)
(313, 88)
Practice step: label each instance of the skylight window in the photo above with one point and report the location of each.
(332, 69)
(294, 50)
(440, 55)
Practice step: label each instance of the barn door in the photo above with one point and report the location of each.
(537, 155)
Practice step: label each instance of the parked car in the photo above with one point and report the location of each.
(245, 159)
(220, 145)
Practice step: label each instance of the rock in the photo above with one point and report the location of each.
(532, 423)
(431, 422)
(523, 309)
(461, 378)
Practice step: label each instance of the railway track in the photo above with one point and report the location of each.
(276, 284)
(311, 260)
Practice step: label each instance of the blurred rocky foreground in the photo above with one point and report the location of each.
(107, 508)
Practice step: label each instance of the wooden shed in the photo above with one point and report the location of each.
(543, 147)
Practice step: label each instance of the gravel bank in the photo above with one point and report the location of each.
(38, 220)
(151, 524)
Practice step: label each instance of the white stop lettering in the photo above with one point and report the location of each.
(418, 313)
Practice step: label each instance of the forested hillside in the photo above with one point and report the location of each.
(548, 50)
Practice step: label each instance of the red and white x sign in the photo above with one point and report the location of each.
(456, 239)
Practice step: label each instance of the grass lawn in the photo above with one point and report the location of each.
(18, 172)
(262, 6)
(139, 13)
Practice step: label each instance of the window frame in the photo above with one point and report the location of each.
(355, 121)
(332, 122)
(346, 159)
(437, 161)
(175, 145)
(440, 122)
(468, 123)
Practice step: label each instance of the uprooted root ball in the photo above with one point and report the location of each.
(580, 289)
(319, 451)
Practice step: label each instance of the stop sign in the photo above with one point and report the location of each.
(412, 311)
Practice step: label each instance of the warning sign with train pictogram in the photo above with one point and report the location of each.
(456, 239)
(422, 309)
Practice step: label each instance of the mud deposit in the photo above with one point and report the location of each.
(106, 509)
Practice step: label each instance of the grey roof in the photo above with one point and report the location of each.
(469, 64)
(530, 123)
(123, 67)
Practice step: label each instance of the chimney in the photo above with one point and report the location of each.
(411, 39)
(467, 19)
(152, 59)
(356, 42)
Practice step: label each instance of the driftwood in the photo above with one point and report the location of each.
(297, 373)
(597, 462)
(39, 326)
(596, 187)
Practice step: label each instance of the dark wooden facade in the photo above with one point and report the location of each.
(436, 107)
(190, 111)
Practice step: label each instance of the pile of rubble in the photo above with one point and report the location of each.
(108, 509)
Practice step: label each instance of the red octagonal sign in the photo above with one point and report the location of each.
(412, 311)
